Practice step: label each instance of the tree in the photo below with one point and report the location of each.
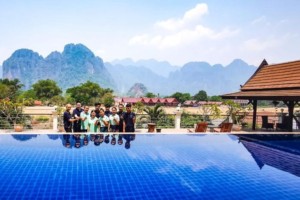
(108, 99)
(215, 98)
(154, 112)
(46, 89)
(88, 92)
(4, 91)
(150, 95)
(139, 106)
(57, 100)
(28, 94)
(27, 97)
(181, 97)
(201, 96)
(10, 88)
(236, 112)
(11, 113)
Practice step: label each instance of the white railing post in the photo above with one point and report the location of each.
(178, 113)
(55, 120)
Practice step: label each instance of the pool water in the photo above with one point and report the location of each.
(150, 167)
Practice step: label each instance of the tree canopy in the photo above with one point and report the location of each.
(46, 89)
(150, 95)
(215, 98)
(10, 88)
(201, 96)
(181, 97)
(88, 92)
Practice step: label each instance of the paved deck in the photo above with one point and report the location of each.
(144, 131)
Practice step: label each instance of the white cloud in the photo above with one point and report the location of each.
(190, 18)
(263, 44)
(262, 19)
(183, 31)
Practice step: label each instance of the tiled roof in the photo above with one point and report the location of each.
(276, 76)
(171, 100)
(155, 100)
(146, 100)
(130, 100)
(272, 94)
(271, 82)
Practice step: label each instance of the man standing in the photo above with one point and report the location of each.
(129, 120)
(107, 110)
(121, 114)
(68, 119)
(84, 116)
(76, 114)
(97, 109)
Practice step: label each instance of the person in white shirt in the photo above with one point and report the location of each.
(84, 116)
(114, 120)
(104, 121)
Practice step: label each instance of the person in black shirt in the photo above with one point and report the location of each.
(121, 113)
(129, 120)
(68, 119)
(76, 115)
(97, 109)
(107, 111)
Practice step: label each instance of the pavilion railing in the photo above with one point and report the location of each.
(167, 121)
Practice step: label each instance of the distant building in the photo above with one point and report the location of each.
(190, 103)
(201, 103)
(117, 100)
(127, 100)
(171, 102)
(150, 101)
(242, 102)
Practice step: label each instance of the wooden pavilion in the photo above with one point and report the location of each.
(276, 82)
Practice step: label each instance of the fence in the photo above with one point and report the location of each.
(32, 121)
(168, 121)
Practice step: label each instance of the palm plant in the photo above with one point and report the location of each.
(154, 112)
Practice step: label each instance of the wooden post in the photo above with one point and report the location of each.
(291, 105)
(254, 103)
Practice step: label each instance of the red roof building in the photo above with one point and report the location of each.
(171, 102)
(130, 100)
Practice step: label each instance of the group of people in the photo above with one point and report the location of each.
(99, 120)
(81, 140)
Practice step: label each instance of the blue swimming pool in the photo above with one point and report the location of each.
(150, 167)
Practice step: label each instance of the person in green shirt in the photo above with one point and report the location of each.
(85, 115)
(104, 121)
(93, 122)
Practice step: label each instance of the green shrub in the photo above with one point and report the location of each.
(42, 119)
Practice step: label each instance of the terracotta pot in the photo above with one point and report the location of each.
(151, 127)
(236, 127)
(61, 129)
(158, 130)
(18, 127)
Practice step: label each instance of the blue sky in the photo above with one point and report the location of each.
(178, 31)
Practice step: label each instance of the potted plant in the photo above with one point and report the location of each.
(236, 114)
(154, 113)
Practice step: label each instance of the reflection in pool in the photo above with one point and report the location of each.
(149, 166)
